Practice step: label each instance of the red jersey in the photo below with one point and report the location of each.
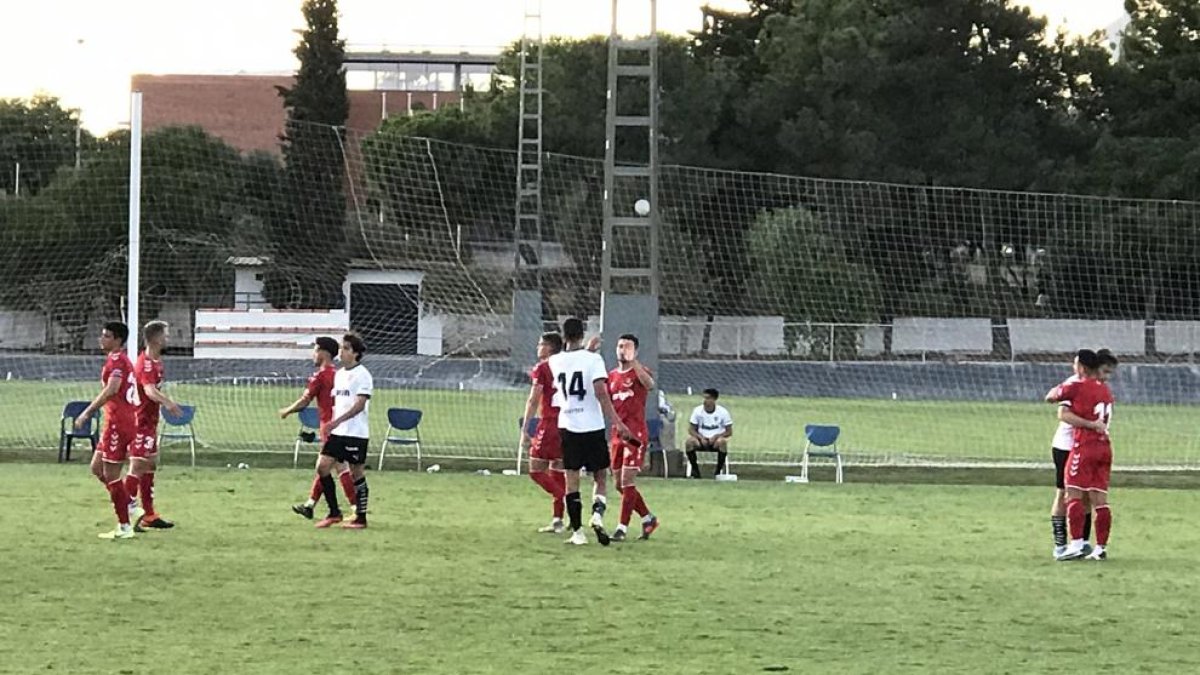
(541, 375)
(1093, 401)
(149, 371)
(121, 409)
(628, 398)
(320, 389)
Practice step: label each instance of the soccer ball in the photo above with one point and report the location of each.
(642, 207)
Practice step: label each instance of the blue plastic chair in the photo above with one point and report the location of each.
(310, 423)
(187, 413)
(402, 420)
(68, 433)
(654, 427)
(821, 436)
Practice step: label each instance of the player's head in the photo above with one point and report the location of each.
(572, 331)
(1107, 364)
(156, 334)
(113, 336)
(627, 348)
(353, 349)
(548, 345)
(710, 399)
(1082, 358)
(1086, 363)
(325, 350)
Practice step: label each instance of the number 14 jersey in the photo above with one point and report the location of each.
(575, 373)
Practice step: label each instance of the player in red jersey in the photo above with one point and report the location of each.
(1090, 463)
(143, 456)
(629, 384)
(545, 448)
(118, 398)
(320, 389)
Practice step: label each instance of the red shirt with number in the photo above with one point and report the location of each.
(629, 400)
(1090, 463)
(149, 371)
(320, 389)
(121, 410)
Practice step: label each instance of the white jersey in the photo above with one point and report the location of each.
(575, 373)
(711, 424)
(1064, 436)
(348, 385)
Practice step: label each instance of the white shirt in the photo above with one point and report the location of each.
(348, 385)
(1064, 436)
(575, 373)
(711, 424)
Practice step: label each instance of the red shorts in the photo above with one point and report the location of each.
(116, 443)
(624, 454)
(144, 445)
(1089, 467)
(546, 443)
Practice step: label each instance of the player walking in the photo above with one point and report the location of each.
(545, 448)
(320, 389)
(143, 456)
(118, 398)
(629, 384)
(1090, 464)
(349, 433)
(581, 396)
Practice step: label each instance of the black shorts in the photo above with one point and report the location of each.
(587, 450)
(1060, 465)
(349, 449)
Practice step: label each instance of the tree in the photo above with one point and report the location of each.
(40, 135)
(800, 268)
(309, 247)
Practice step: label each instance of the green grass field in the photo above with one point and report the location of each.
(484, 423)
(451, 578)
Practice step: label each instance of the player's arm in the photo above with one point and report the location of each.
(155, 394)
(360, 404)
(531, 404)
(300, 404)
(1065, 415)
(110, 390)
(610, 413)
(593, 345)
(644, 375)
(728, 433)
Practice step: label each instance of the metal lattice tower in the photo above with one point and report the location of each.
(630, 259)
(528, 226)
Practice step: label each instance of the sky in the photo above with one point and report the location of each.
(85, 51)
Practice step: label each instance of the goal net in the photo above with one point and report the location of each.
(926, 322)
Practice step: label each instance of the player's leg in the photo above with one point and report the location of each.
(690, 447)
(1103, 519)
(1058, 510)
(721, 446)
(143, 461)
(572, 451)
(331, 455)
(111, 455)
(357, 459)
(1075, 511)
(598, 464)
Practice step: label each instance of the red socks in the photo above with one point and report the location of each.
(629, 497)
(132, 483)
(315, 493)
(348, 488)
(555, 484)
(120, 500)
(147, 491)
(1075, 514)
(1102, 518)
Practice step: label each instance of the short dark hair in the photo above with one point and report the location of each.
(713, 393)
(1106, 357)
(1088, 359)
(119, 330)
(356, 344)
(554, 340)
(328, 345)
(631, 337)
(572, 330)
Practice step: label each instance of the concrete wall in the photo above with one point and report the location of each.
(1060, 336)
(912, 335)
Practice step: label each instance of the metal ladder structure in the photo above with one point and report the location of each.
(628, 179)
(529, 254)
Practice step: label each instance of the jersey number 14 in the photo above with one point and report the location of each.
(575, 388)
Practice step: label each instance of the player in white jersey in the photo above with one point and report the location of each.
(349, 432)
(1060, 450)
(584, 411)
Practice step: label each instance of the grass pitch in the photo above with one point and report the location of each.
(450, 578)
(484, 424)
